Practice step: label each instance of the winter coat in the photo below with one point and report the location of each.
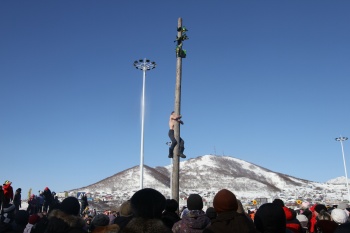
(231, 222)
(326, 226)
(194, 221)
(142, 225)
(84, 202)
(292, 224)
(17, 199)
(60, 222)
(48, 198)
(113, 228)
(8, 192)
(343, 228)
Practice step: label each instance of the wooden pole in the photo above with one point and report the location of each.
(176, 158)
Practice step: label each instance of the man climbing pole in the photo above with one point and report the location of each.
(172, 121)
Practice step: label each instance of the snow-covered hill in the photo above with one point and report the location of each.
(209, 173)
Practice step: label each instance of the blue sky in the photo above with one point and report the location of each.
(263, 81)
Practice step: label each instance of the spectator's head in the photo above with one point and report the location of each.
(339, 216)
(225, 201)
(171, 205)
(211, 213)
(270, 217)
(100, 220)
(278, 202)
(195, 202)
(70, 206)
(147, 203)
(125, 209)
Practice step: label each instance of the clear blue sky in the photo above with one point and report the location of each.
(264, 81)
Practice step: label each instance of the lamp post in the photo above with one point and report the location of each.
(144, 65)
(341, 139)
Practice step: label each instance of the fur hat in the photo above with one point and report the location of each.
(71, 206)
(125, 209)
(100, 220)
(339, 216)
(147, 203)
(225, 201)
(195, 202)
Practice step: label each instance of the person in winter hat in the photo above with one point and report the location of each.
(66, 218)
(125, 215)
(270, 218)
(169, 215)
(48, 199)
(195, 220)
(100, 224)
(147, 206)
(228, 219)
(8, 192)
(315, 209)
(17, 199)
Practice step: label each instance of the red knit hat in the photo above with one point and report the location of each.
(225, 201)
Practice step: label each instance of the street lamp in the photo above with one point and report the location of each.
(341, 139)
(144, 65)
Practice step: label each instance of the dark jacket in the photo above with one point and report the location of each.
(231, 222)
(326, 226)
(60, 222)
(194, 221)
(142, 225)
(17, 198)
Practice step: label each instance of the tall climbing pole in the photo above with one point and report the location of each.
(180, 53)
